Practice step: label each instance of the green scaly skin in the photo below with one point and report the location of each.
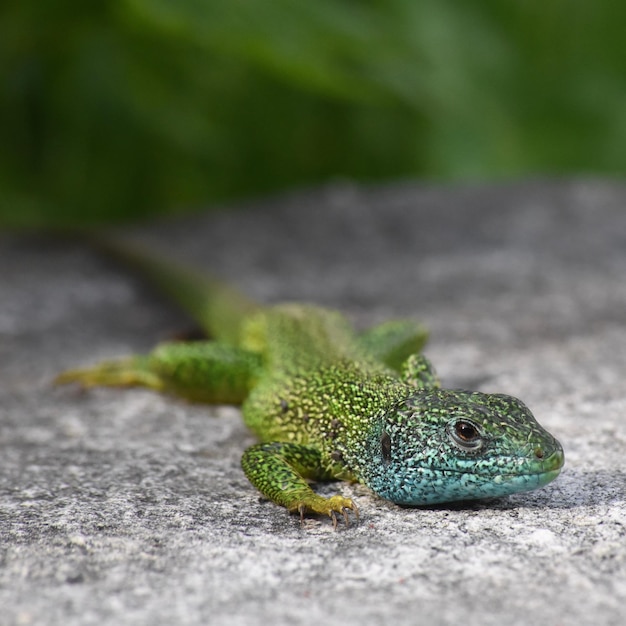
(327, 403)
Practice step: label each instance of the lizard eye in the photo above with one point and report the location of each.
(465, 434)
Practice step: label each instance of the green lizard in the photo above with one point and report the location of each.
(327, 403)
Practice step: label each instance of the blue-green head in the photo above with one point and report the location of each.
(440, 446)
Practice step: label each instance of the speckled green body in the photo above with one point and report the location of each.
(331, 395)
(327, 403)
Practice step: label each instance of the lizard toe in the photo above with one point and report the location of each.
(339, 504)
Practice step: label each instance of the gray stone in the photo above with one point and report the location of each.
(121, 506)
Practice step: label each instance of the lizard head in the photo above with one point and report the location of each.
(441, 446)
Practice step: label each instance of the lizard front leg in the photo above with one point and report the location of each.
(419, 372)
(394, 341)
(280, 472)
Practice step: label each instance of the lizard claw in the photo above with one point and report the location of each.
(355, 510)
(344, 512)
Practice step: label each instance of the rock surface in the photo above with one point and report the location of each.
(123, 507)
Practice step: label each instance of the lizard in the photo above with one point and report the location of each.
(329, 403)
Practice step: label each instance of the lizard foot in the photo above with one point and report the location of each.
(331, 507)
(123, 373)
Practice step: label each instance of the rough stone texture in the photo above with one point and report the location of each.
(120, 506)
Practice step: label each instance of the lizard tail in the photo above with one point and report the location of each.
(218, 308)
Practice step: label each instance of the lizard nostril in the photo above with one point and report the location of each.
(539, 453)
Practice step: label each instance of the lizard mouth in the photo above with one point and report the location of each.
(474, 480)
(542, 469)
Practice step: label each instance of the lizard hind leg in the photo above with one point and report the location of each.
(280, 472)
(202, 371)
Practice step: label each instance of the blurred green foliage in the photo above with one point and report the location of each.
(120, 108)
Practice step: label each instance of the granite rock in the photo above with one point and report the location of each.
(124, 507)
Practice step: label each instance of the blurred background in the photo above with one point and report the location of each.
(116, 110)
